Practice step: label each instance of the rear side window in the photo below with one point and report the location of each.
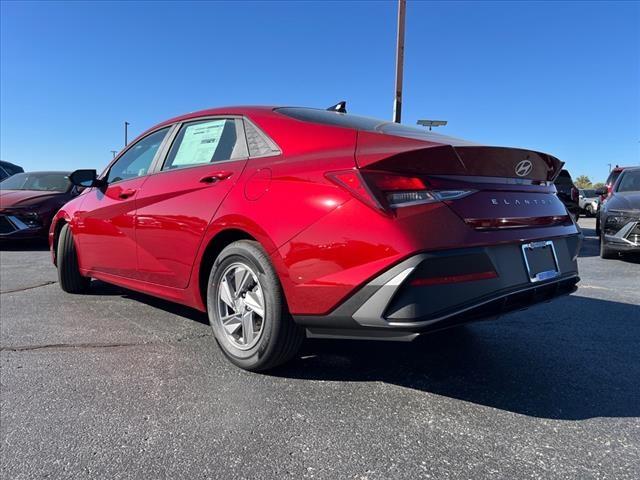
(204, 142)
(258, 143)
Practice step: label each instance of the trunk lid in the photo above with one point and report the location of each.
(408, 155)
(513, 187)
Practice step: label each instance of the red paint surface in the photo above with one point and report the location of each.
(323, 240)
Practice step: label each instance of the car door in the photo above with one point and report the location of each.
(106, 225)
(176, 205)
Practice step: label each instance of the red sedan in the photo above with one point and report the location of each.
(283, 223)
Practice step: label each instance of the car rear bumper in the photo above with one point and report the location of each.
(435, 290)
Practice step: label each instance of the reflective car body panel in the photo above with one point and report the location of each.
(327, 241)
(105, 229)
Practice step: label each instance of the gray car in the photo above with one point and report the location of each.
(588, 200)
(620, 216)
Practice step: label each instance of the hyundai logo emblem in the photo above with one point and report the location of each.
(524, 168)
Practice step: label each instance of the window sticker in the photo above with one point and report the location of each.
(199, 143)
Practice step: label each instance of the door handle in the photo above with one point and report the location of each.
(129, 192)
(216, 177)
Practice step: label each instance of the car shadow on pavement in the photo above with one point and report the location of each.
(24, 246)
(568, 367)
(102, 288)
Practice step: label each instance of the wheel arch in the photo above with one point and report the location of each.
(211, 252)
(60, 220)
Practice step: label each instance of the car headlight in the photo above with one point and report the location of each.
(30, 219)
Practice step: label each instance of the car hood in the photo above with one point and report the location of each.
(624, 201)
(28, 198)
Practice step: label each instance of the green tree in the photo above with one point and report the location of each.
(598, 185)
(583, 182)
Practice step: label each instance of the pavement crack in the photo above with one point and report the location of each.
(28, 348)
(62, 346)
(31, 287)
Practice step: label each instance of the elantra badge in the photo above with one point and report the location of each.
(524, 168)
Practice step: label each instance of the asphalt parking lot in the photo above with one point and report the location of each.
(115, 384)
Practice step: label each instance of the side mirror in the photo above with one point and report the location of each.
(602, 191)
(84, 178)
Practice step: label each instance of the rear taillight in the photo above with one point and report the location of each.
(385, 191)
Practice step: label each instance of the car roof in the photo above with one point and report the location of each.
(229, 110)
(272, 111)
(64, 172)
(619, 169)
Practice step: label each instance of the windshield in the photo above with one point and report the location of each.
(368, 124)
(630, 181)
(40, 181)
(589, 193)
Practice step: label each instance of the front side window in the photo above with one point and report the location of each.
(136, 161)
(204, 142)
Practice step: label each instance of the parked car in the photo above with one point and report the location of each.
(7, 169)
(283, 223)
(28, 202)
(588, 201)
(604, 192)
(620, 215)
(568, 193)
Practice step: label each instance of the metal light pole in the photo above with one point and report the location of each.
(126, 133)
(397, 102)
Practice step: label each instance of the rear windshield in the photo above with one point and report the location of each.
(327, 117)
(589, 193)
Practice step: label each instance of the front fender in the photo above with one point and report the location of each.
(66, 214)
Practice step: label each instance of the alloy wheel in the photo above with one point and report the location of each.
(241, 306)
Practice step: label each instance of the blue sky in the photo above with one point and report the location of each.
(558, 77)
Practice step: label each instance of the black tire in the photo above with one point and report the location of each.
(597, 225)
(606, 252)
(69, 277)
(279, 338)
(590, 211)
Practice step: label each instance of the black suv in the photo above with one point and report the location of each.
(568, 193)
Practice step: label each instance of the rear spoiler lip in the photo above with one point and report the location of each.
(373, 147)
